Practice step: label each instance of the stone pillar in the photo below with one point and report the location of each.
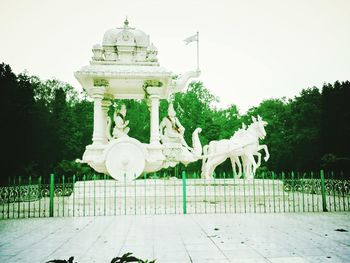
(154, 119)
(99, 133)
(105, 107)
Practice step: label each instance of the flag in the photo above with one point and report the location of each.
(191, 39)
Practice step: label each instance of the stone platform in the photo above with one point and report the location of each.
(238, 238)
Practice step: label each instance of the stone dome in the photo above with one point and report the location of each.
(125, 45)
(110, 38)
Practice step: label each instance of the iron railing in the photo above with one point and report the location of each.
(161, 194)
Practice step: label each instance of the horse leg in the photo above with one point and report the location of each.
(259, 159)
(235, 161)
(245, 166)
(218, 160)
(204, 160)
(233, 165)
(267, 154)
(212, 168)
(206, 168)
(251, 162)
(240, 167)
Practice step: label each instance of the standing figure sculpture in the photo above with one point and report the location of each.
(171, 130)
(121, 128)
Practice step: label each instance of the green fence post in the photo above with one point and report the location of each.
(73, 194)
(63, 192)
(115, 197)
(155, 192)
(29, 185)
(303, 190)
(343, 188)
(293, 191)
(333, 189)
(234, 193)
(135, 193)
(94, 178)
(52, 191)
(144, 188)
(195, 193)
(8, 202)
(104, 194)
(175, 194)
(164, 182)
(283, 197)
(40, 196)
(323, 189)
(19, 197)
(184, 192)
(84, 179)
(244, 196)
(254, 195)
(214, 175)
(225, 191)
(124, 193)
(205, 194)
(273, 192)
(312, 191)
(263, 176)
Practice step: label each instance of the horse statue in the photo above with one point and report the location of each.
(244, 143)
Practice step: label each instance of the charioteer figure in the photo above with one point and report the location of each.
(121, 128)
(171, 130)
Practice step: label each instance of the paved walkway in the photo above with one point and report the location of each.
(307, 237)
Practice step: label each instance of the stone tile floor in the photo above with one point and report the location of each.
(307, 237)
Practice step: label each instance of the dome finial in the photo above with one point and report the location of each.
(126, 23)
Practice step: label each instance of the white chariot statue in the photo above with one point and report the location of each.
(125, 66)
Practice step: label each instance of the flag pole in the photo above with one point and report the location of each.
(197, 50)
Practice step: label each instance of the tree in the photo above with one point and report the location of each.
(335, 123)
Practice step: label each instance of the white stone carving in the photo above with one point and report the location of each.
(244, 143)
(121, 128)
(120, 68)
(171, 130)
(125, 66)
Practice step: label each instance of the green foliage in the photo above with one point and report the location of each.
(127, 257)
(70, 168)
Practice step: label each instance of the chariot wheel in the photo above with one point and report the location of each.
(125, 159)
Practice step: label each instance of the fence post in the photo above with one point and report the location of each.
(184, 204)
(40, 195)
(73, 194)
(323, 189)
(52, 190)
(63, 192)
(29, 183)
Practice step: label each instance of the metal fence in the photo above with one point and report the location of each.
(161, 194)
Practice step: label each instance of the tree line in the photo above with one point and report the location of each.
(47, 124)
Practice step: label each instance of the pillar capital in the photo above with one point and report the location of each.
(154, 92)
(97, 92)
(106, 103)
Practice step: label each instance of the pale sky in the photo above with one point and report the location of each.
(249, 50)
